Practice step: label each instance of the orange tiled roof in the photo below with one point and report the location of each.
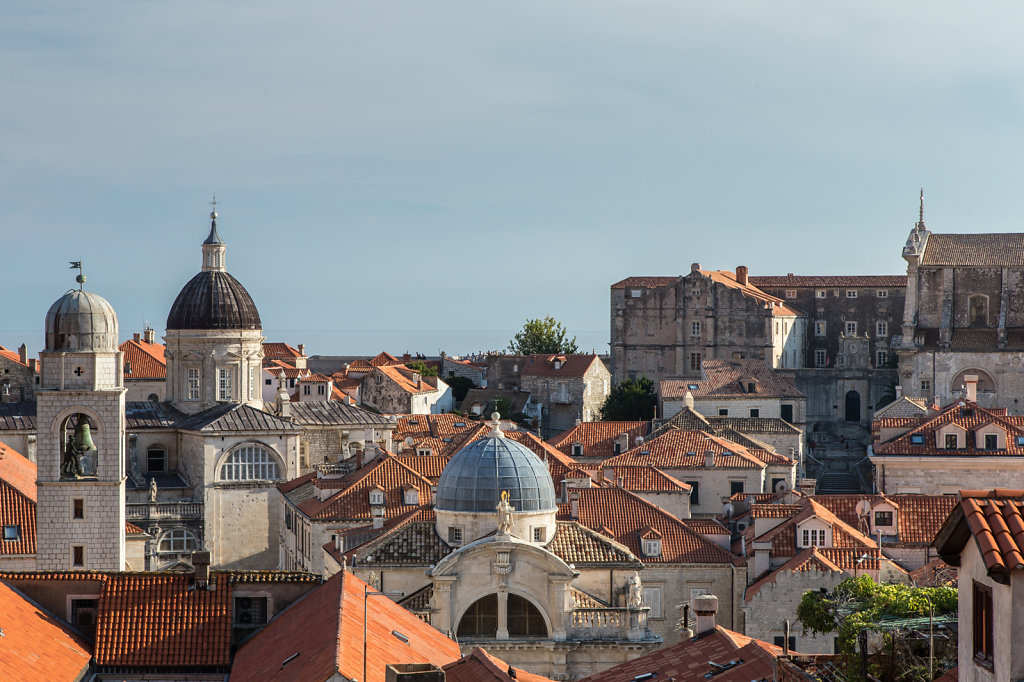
(383, 359)
(679, 449)
(36, 645)
(13, 356)
(625, 515)
(131, 529)
(572, 365)
(353, 500)
(918, 517)
(726, 378)
(403, 377)
(968, 416)
(646, 479)
(17, 501)
(280, 351)
(157, 620)
(17, 471)
(809, 559)
(428, 466)
(315, 377)
(784, 540)
(480, 666)
(144, 360)
(322, 634)
(996, 521)
(598, 438)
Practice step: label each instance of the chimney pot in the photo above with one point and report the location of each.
(201, 566)
(23, 354)
(148, 335)
(741, 275)
(302, 349)
(705, 607)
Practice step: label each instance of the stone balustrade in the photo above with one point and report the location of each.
(163, 510)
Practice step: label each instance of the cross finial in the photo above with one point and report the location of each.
(213, 211)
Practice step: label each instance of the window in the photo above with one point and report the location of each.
(786, 412)
(883, 518)
(951, 441)
(819, 327)
(694, 492)
(991, 441)
(882, 293)
(780, 640)
(1020, 440)
(694, 361)
(636, 293)
(454, 535)
(78, 555)
(982, 623)
(378, 379)
(268, 382)
(523, 618)
(193, 383)
(790, 293)
(321, 389)
(156, 459)
(735, 487)
(917, 439)
(178, 540)
(695, 329)
(821, 293)
(252, 383)
(83, 615)
(755, 412)
(249, 463)
(12, 533)
(288, 518)
(224, 384)
(540, 534)
(305, 389)
(819, 357)
(814, 537)
(481, 618)
(577, 450)
(926, 386)
(851, 329)
(881, 357)
(250, 611)
(881, 329)
(78, 508)
(851, 293)
(652, 547)
(652, 598)
(376, 496)
(723, 411)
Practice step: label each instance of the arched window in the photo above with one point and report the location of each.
(179, 541)
(249, 463)
(985, 381)
(480, 619)
(524, 620)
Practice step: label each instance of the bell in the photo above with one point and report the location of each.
(83, 438)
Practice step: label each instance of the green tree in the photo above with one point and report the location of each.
(460, 387)
(422, 368)
(542, 336)
(505, 408)
(630, 400)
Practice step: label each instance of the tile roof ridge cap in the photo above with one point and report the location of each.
(487, 660)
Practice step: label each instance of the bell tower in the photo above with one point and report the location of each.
(80, 512)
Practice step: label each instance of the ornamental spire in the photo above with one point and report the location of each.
(214, 248)
(920, 214)
(214, 238)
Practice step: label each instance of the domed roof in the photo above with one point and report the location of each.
(213, 299)
(81, 321)
(474, 478)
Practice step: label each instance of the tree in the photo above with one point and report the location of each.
(630, 400)
(544, 337)
(422, 368)
(505, 408)
(860, 604)
(460, 387)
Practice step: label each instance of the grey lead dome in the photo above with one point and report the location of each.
(474, 478)
(81, 321)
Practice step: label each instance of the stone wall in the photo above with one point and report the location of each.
(767, 610)
(946, 475)
(17, 381)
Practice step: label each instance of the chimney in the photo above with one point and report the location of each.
(971, 384)
(32, 364)
(762, 558)
(201, 565)
(413, 672)
(741, 275)
(709, 459)
(574, 505)
(600, 476)
(619, 481)
(705, 607)
(136, 337)
(807, 485)
(23, 354)
(148, 335)
(899, 391)
(302, 349)
(578, 421)
(688, 400)
(406, 358)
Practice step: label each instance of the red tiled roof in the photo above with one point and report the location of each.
(17, 471)
(144, 360)
(36, 645)
(689, 660)
(625, 515)
(131, 529)
(811, 558)
(784, 540)
(353, 500)
(996, 521)
(918, 517)
(428, 466)
(315, 377)
(280, 351)
(706, 526)
(480, 666)
(160, 620)
(17, 501)
(830, 281)
(646, 479)
(403, 377)
(968, 416)
(13, 356)
(598, 438)
(644, 282)
(774, 511)
(322, 634)
(383, 359)
(679, 449)
(726, 378)
(572, 365)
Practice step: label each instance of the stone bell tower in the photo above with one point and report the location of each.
(80, 513)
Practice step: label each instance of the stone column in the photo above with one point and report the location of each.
(502, 613)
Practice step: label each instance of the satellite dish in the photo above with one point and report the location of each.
(639, 440)
(863, 508)
(728, 510)
(781, 487)
(409, 441)
(751, 501)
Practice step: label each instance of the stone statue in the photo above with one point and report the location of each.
(152, 489)
(71, 462)
(636, 590)
(504, 514)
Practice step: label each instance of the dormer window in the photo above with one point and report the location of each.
(951, 441)
(577, 449)
(652, 547)
(423, 452)
(411, 496)
(1020, 440)
(991, 441)
(918, 439)
(883, 518)
(12, 533)
(376, 496)
(813, 537)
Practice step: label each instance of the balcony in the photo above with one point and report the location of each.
(609, 623)
(163, 510)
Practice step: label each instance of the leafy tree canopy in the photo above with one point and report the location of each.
(422, 368)
(460, 387)
(630, 400)
(543, 337)
(504, 407)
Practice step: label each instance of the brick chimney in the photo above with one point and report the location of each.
(705, 607)
(709, 459)
(741, 275)
(971, 384)
(23, 354)
(136, 337)
(574, 505)
(148, 335)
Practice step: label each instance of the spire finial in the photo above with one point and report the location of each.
(920, 215)
(81, 276)
(214, 238)
(213, 213)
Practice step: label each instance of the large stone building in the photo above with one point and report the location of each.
(665, 327)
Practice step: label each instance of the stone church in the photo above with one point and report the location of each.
(963, 316)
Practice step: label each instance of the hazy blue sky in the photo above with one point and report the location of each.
(416, 175)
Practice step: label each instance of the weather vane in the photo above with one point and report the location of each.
(81, 276)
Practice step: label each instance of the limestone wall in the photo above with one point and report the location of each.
(767, 610)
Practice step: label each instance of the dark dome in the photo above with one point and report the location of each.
(213, 300)
(474, 478)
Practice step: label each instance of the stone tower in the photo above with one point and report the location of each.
(214, 337)
(80, 513)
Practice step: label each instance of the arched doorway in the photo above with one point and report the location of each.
(852, 406)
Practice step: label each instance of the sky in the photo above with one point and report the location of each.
(424, 176)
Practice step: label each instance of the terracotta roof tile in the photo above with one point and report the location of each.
(480, 666)
(678, 449)
(37, 645)
(830, 281)
(17, 501)
(644, 282)
(143, 360)
(404, 377)
(646, 479)
(598, 438)
(383, 359)
(968, 416)
(322, 634)
(352, 502)
(986, 250)
(576, 544)
(996, 522)
(727, 378)
(13, 356)
(572, 365)
(918, 517)
(160, 620)
(809, 559)
(280, 351)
